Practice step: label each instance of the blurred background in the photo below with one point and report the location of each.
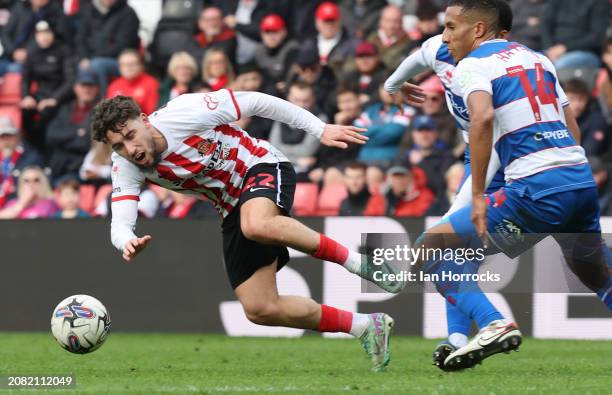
(58, 58)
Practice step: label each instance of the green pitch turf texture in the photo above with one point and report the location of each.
(211, 364)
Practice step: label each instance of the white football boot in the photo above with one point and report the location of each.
(498, 336)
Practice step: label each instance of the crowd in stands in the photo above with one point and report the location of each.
(58, 58)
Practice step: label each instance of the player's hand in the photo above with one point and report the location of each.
(134, 246)
(339, 135)
(479, 218)
(409, 93)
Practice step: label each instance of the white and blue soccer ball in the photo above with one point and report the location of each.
(80, 324)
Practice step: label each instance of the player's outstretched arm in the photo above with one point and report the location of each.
(134, 246)
(339, 135)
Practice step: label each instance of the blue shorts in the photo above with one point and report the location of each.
(512, 214)
(497, 182)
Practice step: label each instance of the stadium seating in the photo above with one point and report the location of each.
(13, 112)
(305, 199)
(87, 193)
(102, 194)
(10, 89)
(330, 199)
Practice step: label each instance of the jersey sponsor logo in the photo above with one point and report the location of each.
(459, 107)
(551, 135)
(117, 190)
(219, 155)
(211, 103)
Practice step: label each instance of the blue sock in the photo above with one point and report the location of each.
(466, 296)
(458, 321)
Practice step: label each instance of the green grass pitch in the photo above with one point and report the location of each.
(211, 364)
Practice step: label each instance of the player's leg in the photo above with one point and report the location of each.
(263, 305)
(584, 250)
(263, 221)
(499, 334)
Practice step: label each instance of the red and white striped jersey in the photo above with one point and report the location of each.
(207, 156)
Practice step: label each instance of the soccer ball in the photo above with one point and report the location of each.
(80, 324)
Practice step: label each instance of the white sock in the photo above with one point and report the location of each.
(353, 262)
(360, 324)
(457, 339)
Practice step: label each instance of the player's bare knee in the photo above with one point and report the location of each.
(262, 313)
(257, 229)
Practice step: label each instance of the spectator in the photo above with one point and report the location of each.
(299, 16)
(604, 85)
(48, 74)
(334, 44)
(299, 147)
(386, 123)
(15, 155)
(428, 152)
(435, 107)
(135, 82)
(244, 16)
(213, 33)
(182, 75)
(18, 34)
(68, 134)
(358, 193)
(391, 40)
(331, 160)
(177, 205)
(68, 201)
(588, 114)
(276, 52)
(369, 73)
(427, 24)
(453, 178)
(106, 29)
(34, 197)
(307, 69)
(527, 22)
(601, 175)
(96, 167)
(250, 78)
(217, 71)
(360, 16)
(405, 195)
(572, 31)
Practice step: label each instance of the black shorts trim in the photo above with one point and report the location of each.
(243, 257)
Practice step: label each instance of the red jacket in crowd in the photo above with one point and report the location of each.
(415, 202)
(144, 89)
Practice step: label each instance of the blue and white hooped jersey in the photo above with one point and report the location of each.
(535, 148)
(436, 56)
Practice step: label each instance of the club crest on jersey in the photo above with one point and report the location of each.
(205, 147)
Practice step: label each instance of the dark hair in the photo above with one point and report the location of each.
(70, 183)
(356, 166)
(426, 11)
(111, 115)
(497, 12)
(347, 88)
(577, 86)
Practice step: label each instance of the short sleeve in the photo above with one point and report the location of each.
(430, 49)
(127, 179)
(559, 90)
(471, 76)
